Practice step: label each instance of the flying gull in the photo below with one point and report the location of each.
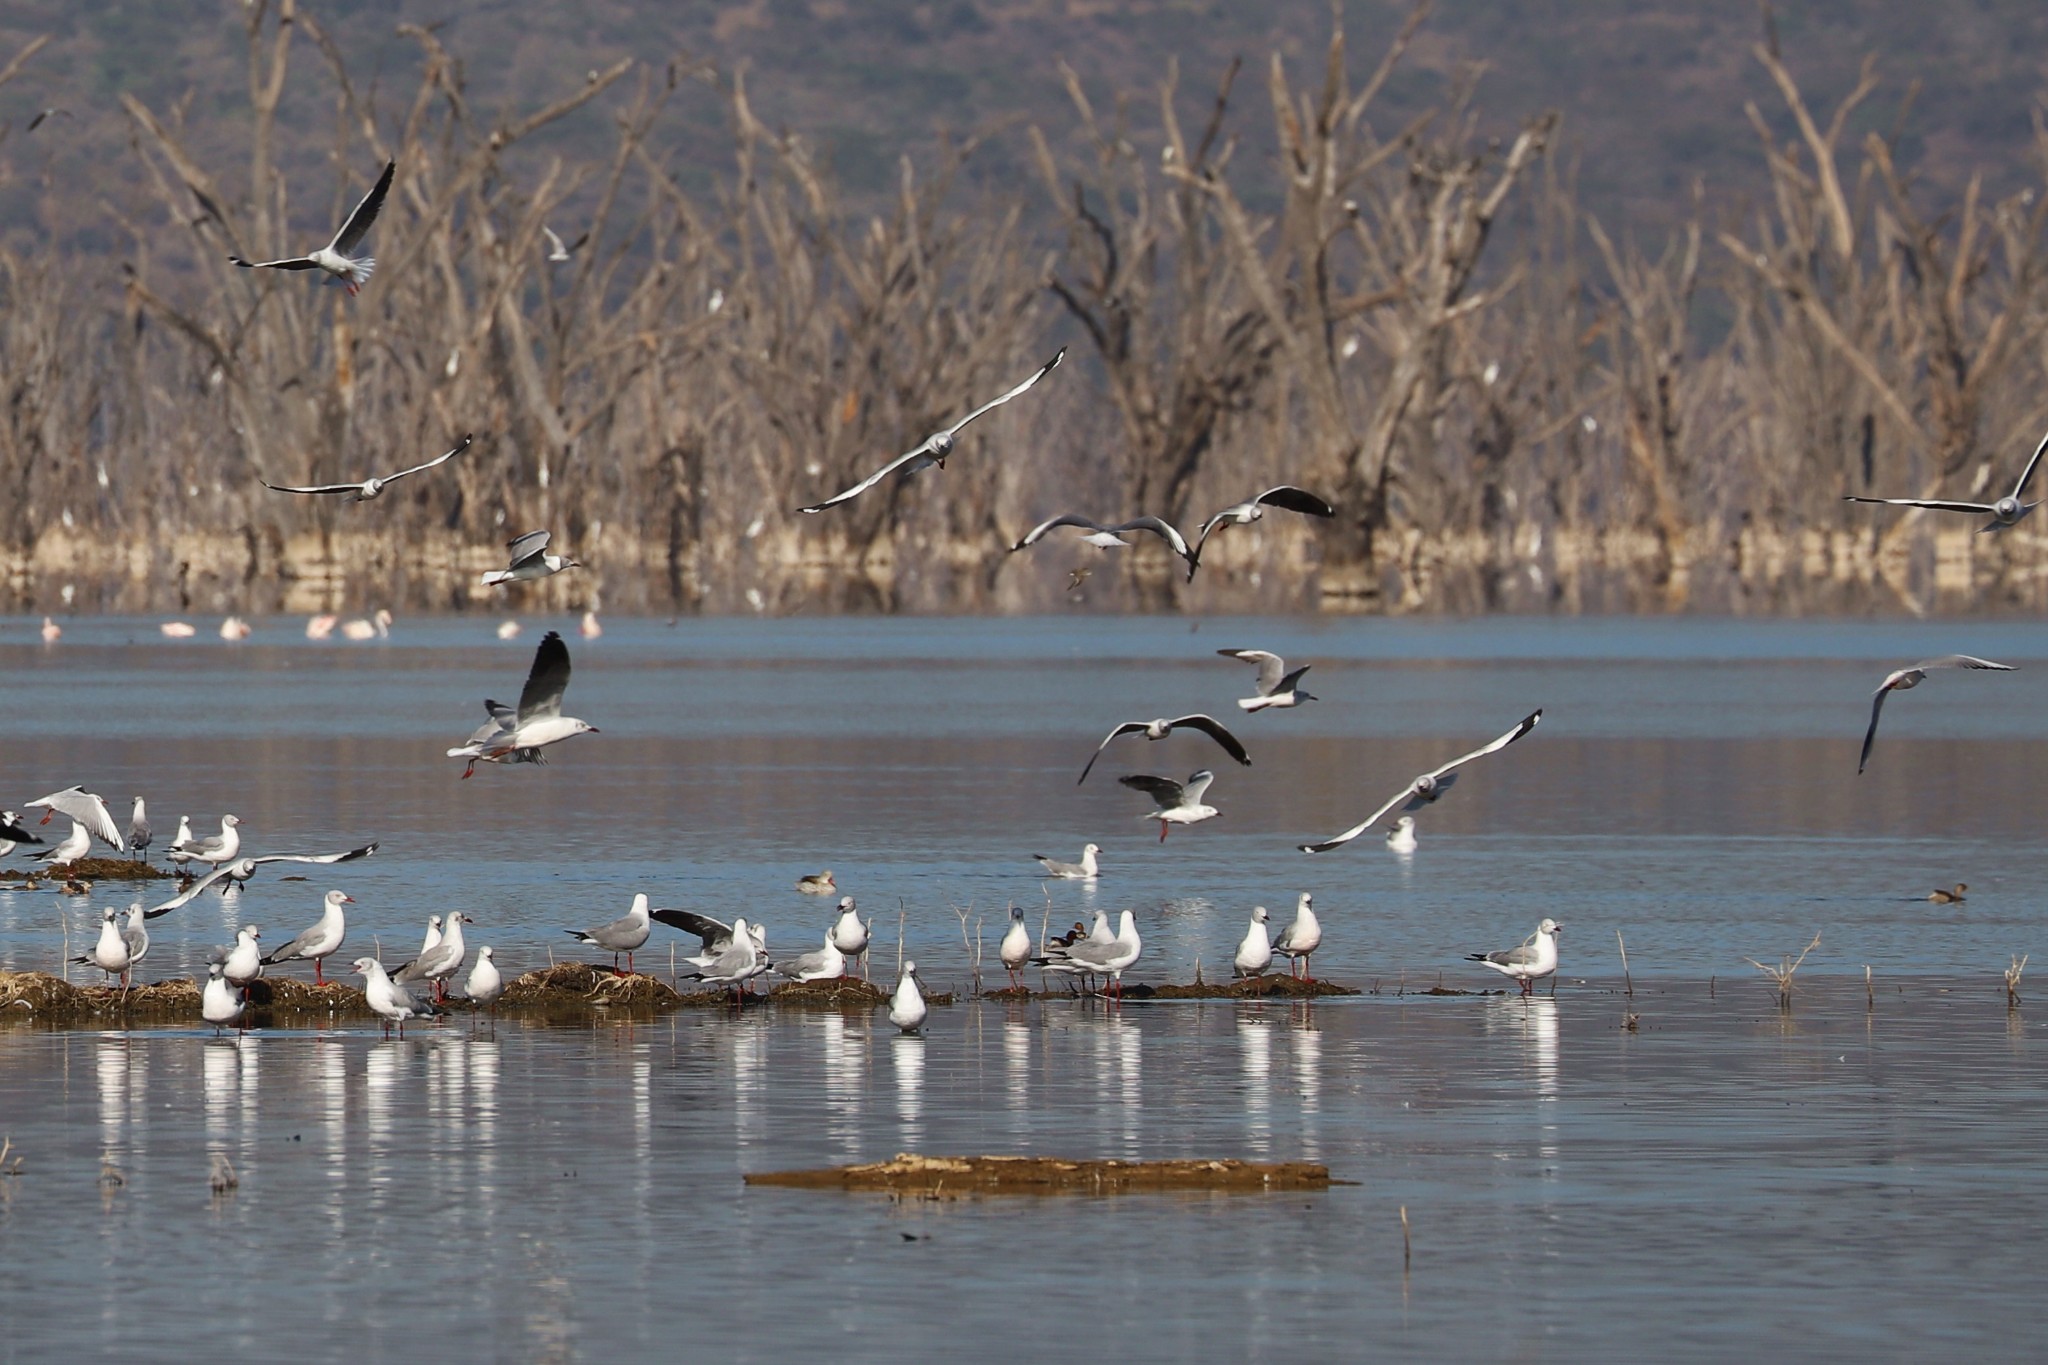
(2007, 511)
(1255, 949)
(556, 250)
(1276, 687)
(529, 559)
(1286, 497)
(371, 487)
(88, 810)
(14, 833)
(334, 258)
(1083, 871)
(1161, 728)
(1300, 938)
(1178, 803)
(242, 869)
(1530, 963)
(318, 942)
(624, 935)
(1112, 537)
(935, 448)
(540, 721)
(1907, 678)
(1427, 788)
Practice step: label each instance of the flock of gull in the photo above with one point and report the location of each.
(733, 955)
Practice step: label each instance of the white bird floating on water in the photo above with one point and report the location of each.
(508, 630)
(368, 488)
(529, 559)
(178, 630)
(623, 935)
(1286, 497)
(235, 628)
(1112, 537)
(242, 869)
(1401, 838)
(817, 883)
(377, 627)
(906, 1007)
(1276, 686)
(320, 941)
(1161, 728)
(88, 810)
(2006, 512)
(539, 721)
(935, 448)
(1427, 788)
(1255, 949)
(1300, 938)
(1906, 679)
(1178, 803)
(1084, 871)
(335, 258)
(320, 627)
(52, 632)
(1530, 963)
(222, 1002)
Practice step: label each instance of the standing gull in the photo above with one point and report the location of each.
(242, 869)
(138, 831)
(1112, 537)
(1083, 871)
(826, 964)
(540, 721)
(624, 935)
(335, 258)
(529, 559)
(1906, 679)
(1286, 497)
(1178, 803)
(110, 952)
(1255, 949)
(739, 963)
(441, 961)
(485, 984)
(1427, 788)
(180, 849)
(388, 1000)
(1300, 938)
(369, 488)
(1015, 949)
(1530, 963)
(851, 933)
(318, 942)
(220, 848)
(88, 810)
(222, 1002)
(243, 963)
(1276, 687)
(715, 935)
(1161, 728)
(906, 1007)
(935, 448)
(1093, 958)
(74, 846)
(136, 936)
(2007, 511)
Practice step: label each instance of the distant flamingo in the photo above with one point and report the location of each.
(509, 631)
(590, 628)
(235, 628)
(377, 627)
(178, 630)
(320, 627)
(51, 631)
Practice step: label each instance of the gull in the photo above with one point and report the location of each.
(1530, 963)
(623, 935)
(530, 560)
(242, 869)
(219, 848)
(1255, 949)
(87, 809)
(1952, 897)
(540, 721)
(1058, 956)
(14, 833)
(138, 831)
(136, 937)
(432, 939)
(45, 115)
(817, 883)
(387, 999)
(376, 484)
(441, 961)
(243, 963)
(1083, 871)
(906, 1007)
(377, 627)
(823, 965)
(110, 952)
(335, 258)
(933, 449)
(740, 962)
(503, 721)
(1015, 949)
(1286, 497)
(850, 932)
(319, 941)
(1300, 938)
(485, 985)
(1179, 804)
(1276, 687)
(1427, 788)
(716, 934)
(1106, 959)
(1401, 838)
(74, 846)
(1906, 679)
(558, 252)
(1112, 537)
(180, 847)
(1161, 728)
(221, 1003)
(2007, 511)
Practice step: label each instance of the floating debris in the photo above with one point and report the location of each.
(956, 1176)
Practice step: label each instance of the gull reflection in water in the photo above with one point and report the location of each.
(1017, 1064)
(220, 1076)
(1255, 1065)
(482, 1140)
(748, 1046)
(1308, 1080)
(845, 1067)
(110, 1072)
(906, 1055)
(1119, 1068)
(380, 1092)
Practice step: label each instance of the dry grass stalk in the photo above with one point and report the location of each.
(1783, 973)
(1627, 981)
(2012, 979)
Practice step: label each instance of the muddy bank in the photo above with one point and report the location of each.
(50, 999)
(90, 870)
(953, 1176)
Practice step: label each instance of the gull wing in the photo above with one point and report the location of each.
(1339, 840)
(365, 851)
(1934, 504)
(542, 695)
(1270, 667)
(190, 893)
(1165, 531)
(364, 214)
(88, 810)
(1213, 728)
(1288, 498)
(1129, 727)
(1293, 680)
(1164, 791)
(530, 546)
(294, 263)
(992, 404)
(1197, 785)
(690, 922)
(923, 451)
(1876, 709)
(1038, 532)
(460, 446)
(1962, 661)
(1522, 727)
(2019, 489)
(1202, 537)
(1523, 956)
(12, 831)
(316, 488)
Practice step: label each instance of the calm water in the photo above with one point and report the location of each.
(1720, 1178)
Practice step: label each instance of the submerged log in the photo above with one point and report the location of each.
(940, 1176)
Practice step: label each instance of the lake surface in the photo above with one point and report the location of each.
(1848, 1177)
